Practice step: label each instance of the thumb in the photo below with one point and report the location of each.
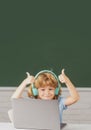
(63, 71)
(27, 74)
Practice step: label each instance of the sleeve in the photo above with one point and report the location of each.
(62, 106)
(62, 103)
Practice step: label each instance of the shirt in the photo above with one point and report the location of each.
(62, 106)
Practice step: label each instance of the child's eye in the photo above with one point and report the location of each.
(51, 89)
(42, 89)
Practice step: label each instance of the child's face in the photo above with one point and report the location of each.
(46, 93)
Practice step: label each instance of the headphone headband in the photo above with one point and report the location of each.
(46, 71)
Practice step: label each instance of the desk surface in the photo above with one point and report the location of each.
(9, 126)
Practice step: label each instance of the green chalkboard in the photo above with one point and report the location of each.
(37, 35)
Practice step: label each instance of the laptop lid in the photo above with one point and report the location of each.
(36, 114)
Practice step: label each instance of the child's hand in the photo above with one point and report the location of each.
(29, 79)
(62, 77)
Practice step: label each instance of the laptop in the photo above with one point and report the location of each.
(36, 114)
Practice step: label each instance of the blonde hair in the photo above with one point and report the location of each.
(43, 80)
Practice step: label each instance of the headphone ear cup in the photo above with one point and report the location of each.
(35, 91)
(56, 91)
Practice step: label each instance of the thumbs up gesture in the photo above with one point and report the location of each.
(29, 79)
(62, 77)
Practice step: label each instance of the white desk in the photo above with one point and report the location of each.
(9, 126)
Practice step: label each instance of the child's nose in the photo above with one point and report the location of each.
(47, 91)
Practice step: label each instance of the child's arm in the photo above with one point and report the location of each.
(20, 89)
(74, 96)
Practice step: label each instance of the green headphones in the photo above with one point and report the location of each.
(35, 90)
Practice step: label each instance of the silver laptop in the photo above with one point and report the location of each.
(36, 114)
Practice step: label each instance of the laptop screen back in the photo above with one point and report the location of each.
(36, 114)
